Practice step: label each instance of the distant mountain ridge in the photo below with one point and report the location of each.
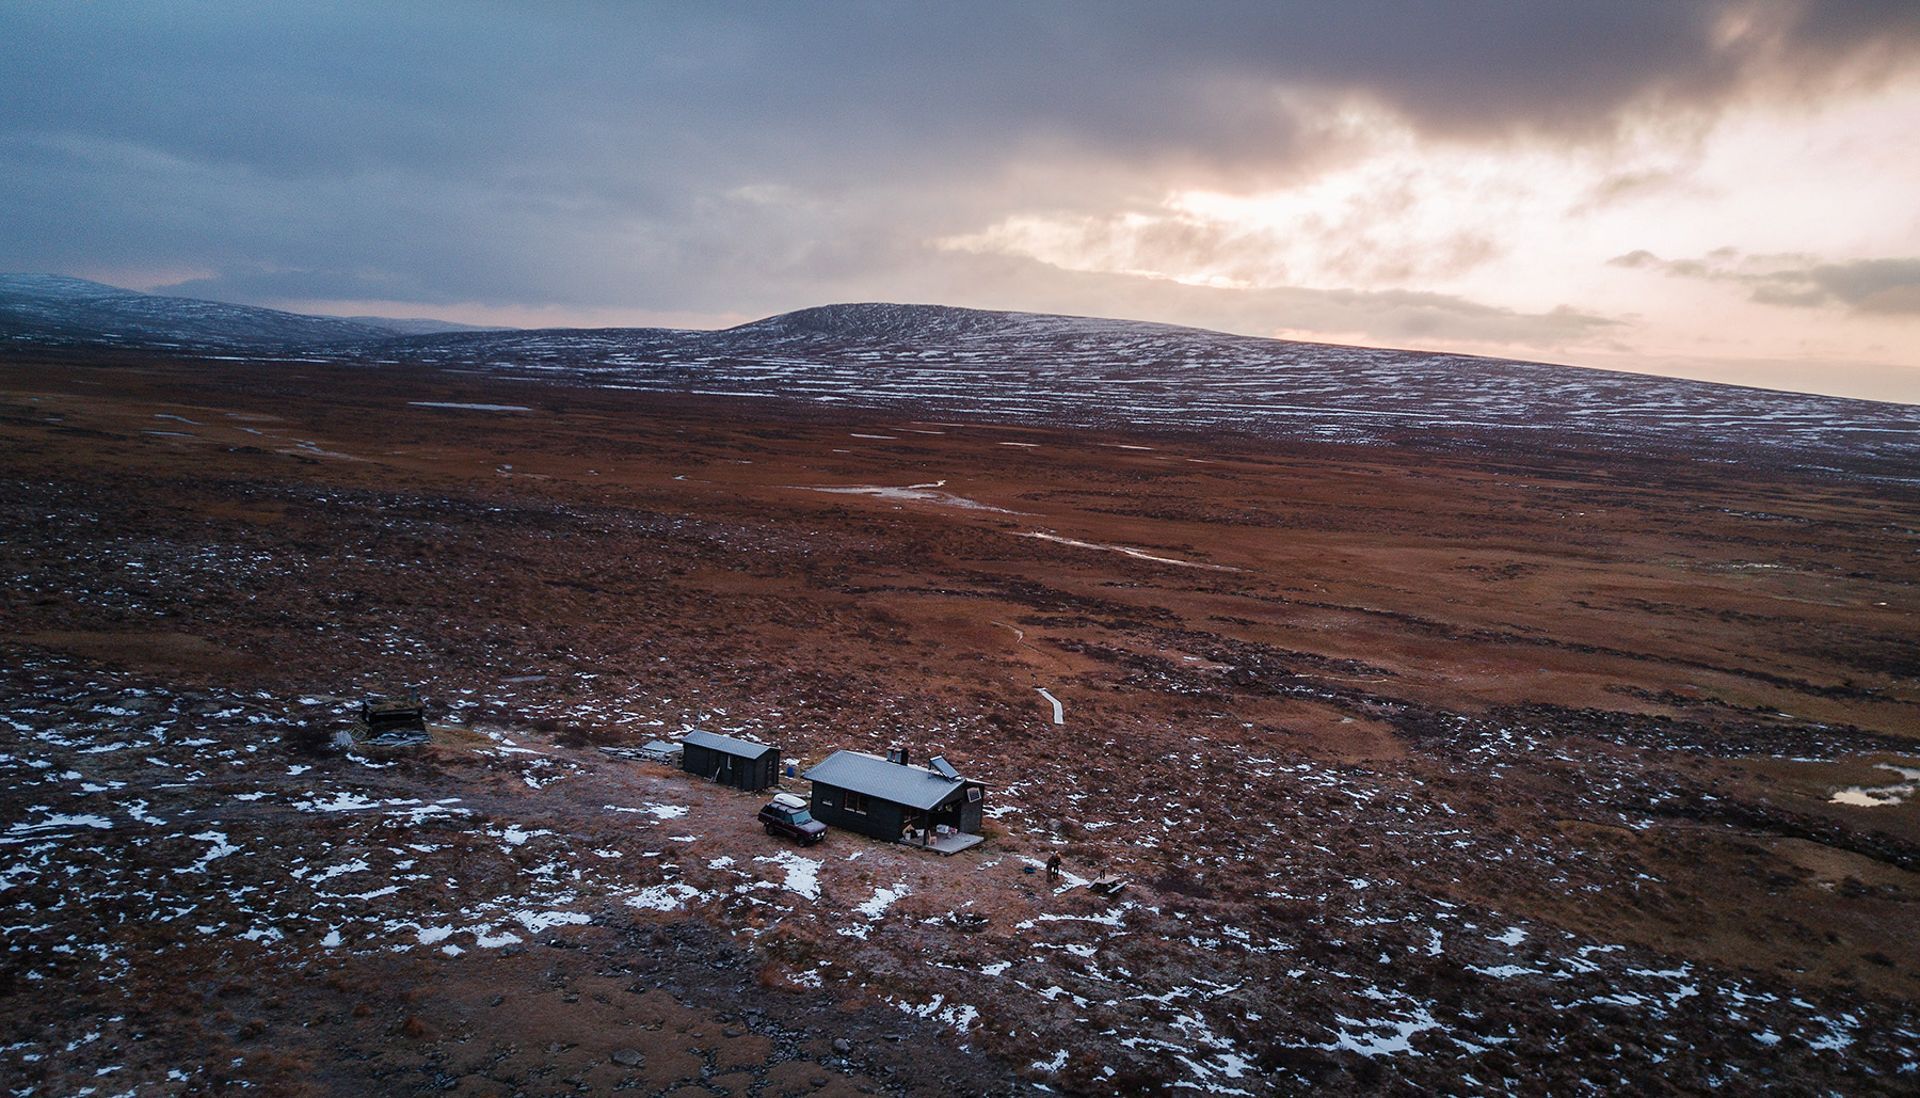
(937, 361)
(420, 325)
(55, 308)
(58, 308)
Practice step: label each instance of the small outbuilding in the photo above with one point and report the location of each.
(742, 764)
(391, 721)
(892, 799)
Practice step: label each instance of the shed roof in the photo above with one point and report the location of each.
(727, 745)
(913, 786)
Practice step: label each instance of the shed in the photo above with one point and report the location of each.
(394, 720)
(742, 764)
(885, 798)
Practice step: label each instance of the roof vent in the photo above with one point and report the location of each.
(945, 768)
(897, 755)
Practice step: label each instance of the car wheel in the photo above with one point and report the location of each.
(769, 828)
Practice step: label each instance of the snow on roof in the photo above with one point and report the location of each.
(727, 745)
(913, 786)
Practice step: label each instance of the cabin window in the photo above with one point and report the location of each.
(855, 802)
(973, 795)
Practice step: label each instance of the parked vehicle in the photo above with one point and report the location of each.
(787, 815)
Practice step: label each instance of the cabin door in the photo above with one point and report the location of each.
(948, 814)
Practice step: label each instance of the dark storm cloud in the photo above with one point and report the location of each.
(1886, 286)
(754, 157)
(1872, 285)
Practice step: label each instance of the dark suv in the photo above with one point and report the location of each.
(787, 815)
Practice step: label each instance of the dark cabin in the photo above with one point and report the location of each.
(741, 764)
(886, 797)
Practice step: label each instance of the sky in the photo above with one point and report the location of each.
(1718, 189)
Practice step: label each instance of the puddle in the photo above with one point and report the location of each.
(1139, 554)
(918, 493)
(309, 448)
(1880, 796)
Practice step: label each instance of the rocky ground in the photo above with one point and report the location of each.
(1458, 768)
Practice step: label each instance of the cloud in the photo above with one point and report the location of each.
(1884, 286)
(262, 284)
(1383, 317)
(693, 160)
(1871, 285)
(603, 109)
(1374, 236)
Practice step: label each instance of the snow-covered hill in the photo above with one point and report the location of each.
(44, 309)
(55, 309)
(882, 323)
(943, 362)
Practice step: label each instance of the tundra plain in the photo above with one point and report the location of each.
(1486, 765)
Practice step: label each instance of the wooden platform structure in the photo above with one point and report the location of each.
(952, 843)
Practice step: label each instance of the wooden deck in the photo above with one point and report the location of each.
(947, 844)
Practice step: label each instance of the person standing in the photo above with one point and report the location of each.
(1053, 867)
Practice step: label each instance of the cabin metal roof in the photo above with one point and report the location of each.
(727, 745)
(913, 786)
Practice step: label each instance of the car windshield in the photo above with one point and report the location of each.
(800, 816)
